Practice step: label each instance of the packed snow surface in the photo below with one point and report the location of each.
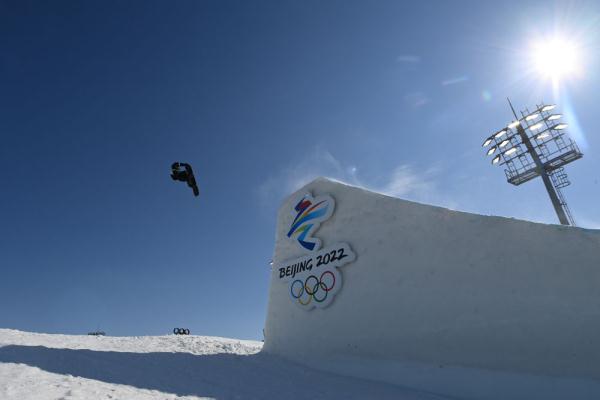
(67, 367)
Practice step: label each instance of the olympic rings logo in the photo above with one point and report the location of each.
(181, 331)
(314, 280)
(313, 288)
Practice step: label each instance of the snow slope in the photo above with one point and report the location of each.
(43, 367)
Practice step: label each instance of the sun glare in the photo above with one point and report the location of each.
(556, 58)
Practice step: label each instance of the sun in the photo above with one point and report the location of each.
(556, 57)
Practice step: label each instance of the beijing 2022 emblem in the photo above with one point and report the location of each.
(313, 280)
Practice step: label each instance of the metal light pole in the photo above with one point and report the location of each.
(560, 212)
(539, 147)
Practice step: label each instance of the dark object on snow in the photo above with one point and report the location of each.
(97, 333)
(181, 331)
(183, 172)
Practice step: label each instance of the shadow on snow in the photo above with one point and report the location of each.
(220, 376)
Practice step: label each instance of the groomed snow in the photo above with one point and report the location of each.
(67, 367)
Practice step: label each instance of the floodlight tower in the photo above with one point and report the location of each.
(537, 146)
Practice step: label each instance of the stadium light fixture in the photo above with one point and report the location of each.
(548, 107)
(536, 126)
(544, 159)
(532, 116)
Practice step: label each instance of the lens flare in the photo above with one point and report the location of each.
(575, 129)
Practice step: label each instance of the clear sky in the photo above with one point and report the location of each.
(97, 99)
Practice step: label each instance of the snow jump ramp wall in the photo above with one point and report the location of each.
(446, 301)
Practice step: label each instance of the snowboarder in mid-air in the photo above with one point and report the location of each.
(183, 172)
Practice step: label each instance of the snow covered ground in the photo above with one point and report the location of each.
(67, 367)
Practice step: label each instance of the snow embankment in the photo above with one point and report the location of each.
(43, 367)
(471, 306)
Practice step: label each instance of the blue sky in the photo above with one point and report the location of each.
(97, 99)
